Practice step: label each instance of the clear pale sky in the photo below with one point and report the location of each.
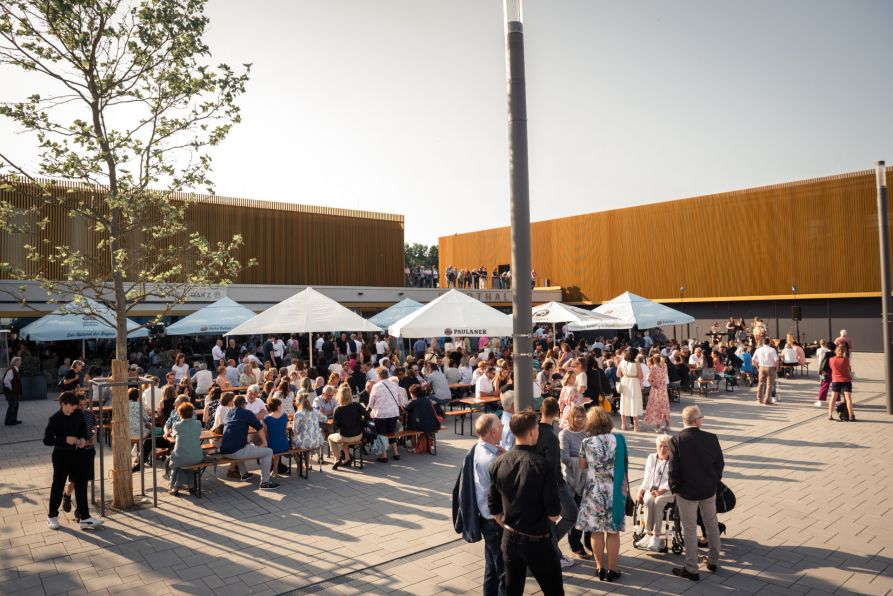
(399, 105)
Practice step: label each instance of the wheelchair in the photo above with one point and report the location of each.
(669, 529)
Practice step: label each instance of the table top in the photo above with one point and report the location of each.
(475, 401)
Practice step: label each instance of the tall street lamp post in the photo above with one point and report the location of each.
(522, 321)
(884, 241)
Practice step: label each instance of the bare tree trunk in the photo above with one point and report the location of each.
(122, 477)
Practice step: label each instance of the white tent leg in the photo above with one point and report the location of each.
(310, 346)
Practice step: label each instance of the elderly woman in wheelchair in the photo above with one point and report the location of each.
(656, 503)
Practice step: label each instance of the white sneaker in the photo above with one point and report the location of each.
(644, 541)
(774, 400)
(566, 561)
(53, 523)
(655, 544)
(819, 404)
(91, 523)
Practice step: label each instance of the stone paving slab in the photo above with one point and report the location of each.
(813, 516)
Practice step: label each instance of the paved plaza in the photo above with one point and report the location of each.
(814, 516)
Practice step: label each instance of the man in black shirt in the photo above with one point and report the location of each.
(66, 432)
(523, 499)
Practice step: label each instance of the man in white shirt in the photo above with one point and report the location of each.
(217, 354)
(278, 351)
(484, 385)
(254, 404)
(203, 380)
(381, 348)
(766, 360)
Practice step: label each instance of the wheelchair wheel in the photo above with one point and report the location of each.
(678, 542)
(638, 522)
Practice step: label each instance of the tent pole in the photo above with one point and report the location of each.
(310, 346)
(554, 336)
(84, 350)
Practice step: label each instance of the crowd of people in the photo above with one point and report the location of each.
(359, 384)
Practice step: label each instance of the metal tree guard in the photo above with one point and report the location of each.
(101, 393)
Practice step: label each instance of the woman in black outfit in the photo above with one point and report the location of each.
(349, 420)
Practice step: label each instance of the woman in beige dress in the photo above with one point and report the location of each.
(630, 389)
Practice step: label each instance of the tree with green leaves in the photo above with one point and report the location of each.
(136, 105)
(420, 255)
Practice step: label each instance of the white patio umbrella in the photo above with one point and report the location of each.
(213, 319)
(558, 312)
(394, 313)
(307, 311)
(78, 320)
(454, 313)
(631, 310)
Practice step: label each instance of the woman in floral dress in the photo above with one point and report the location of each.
(657, 413)
(603, 506)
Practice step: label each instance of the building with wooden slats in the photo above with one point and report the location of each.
(736, 254)
(293, 244)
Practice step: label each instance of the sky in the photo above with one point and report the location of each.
(400, 105)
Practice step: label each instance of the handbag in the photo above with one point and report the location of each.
(725, 499)
(401, 420)
(630, 507)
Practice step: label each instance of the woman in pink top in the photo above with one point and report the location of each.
(841, 382)
(569, 396)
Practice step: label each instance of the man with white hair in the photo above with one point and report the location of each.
(218, 355)
(695, 469)
(254, 404)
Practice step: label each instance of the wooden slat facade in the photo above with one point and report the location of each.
(293, 244)
(820, 235)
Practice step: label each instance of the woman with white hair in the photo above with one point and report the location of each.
(655, 492)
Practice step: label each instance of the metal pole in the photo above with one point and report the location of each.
(522, 319)
(884, 237)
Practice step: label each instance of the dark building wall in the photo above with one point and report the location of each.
(293, 244)
(822, 318)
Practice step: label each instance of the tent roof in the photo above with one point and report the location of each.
(395, 312)
(634, 310)
(306, 312)
(454, 313)
(213, 319)
(557, 312)
(72, 321)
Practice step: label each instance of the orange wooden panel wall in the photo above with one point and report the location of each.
(820, 235)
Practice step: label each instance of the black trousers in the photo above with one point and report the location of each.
(69, 464)
(520, 553)
(12, 412)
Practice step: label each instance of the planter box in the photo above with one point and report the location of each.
(34, 388)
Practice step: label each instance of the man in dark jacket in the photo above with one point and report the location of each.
(696, 465)
(471, 513)
(548, 446)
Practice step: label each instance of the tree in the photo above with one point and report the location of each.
(135, 109)
(420, 255)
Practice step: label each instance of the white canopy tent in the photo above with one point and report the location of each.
(394, 313)
(307, 311)
(558, 312)
(631, 310)
(453, 314)
(213, 319)
(78, 320)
